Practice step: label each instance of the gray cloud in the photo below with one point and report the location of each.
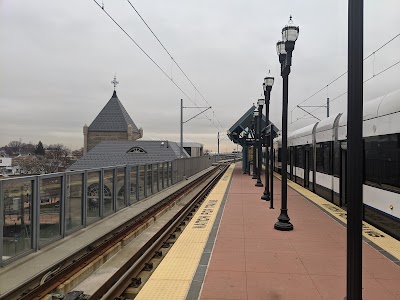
(57, 60)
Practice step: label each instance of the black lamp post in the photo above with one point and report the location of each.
(255, 124)
(260, 103)
(355, 149)
(267, 85)
(285, 48)
(255, 145)
(271, 194)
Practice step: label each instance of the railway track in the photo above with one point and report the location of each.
(47, 281)
(127, 276)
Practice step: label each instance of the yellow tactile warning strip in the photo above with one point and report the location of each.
(173, 277)
(373, 234)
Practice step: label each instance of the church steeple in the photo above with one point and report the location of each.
(113, 117)
(115, 82)
(112, 123)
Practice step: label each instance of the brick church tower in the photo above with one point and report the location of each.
(112, 123)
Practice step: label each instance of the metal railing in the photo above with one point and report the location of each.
(40, 209)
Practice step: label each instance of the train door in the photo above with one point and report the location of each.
(343, 175)
(307, 168)
(292, 163)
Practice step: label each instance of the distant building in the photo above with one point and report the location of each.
(5, 161)
(112, 123)
(114, 153)
(193, 149)
(5, 165)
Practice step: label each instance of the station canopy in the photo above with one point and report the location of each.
(242, 131)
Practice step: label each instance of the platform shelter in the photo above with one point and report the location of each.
(243, 134)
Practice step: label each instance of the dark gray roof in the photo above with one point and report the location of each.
(113, 117)
(115, 153)
(235, 133)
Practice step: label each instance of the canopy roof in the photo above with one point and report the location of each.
(242, 129)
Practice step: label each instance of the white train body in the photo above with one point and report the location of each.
(317, 160)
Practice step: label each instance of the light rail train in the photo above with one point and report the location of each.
(317, 160)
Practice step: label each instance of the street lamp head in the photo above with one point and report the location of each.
(260, 102)
(290, 32)
(255, 113)
(280, 48)
(268, 81)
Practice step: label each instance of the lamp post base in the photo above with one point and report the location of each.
(283, 223)
(259, 183)
(265, 196)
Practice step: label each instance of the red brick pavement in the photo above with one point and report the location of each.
(251, 260)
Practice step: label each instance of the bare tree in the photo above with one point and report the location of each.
(78, 153)
(15, 146)
(28, 164)
(58, 155)
(27, 147)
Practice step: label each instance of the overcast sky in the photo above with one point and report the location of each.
(57, 59)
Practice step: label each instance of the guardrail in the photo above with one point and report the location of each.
(40, 209)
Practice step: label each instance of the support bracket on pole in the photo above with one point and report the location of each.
(206, 108)
(301, 107)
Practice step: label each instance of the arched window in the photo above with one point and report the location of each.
(93, 191)
(136, 150)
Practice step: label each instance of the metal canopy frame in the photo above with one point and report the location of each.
(242, 132)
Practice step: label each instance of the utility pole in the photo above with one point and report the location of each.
(201, 112)
(218, 142)
(327, 107)
(181, 128)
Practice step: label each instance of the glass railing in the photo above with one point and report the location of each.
(37, 210)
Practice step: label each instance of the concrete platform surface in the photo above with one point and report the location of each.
(252, 260)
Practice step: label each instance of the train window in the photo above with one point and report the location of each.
(319, 158)
(327, 158)
(311, 160)
(299, 157)
(382, 161)
(336, 159)
(324, 158)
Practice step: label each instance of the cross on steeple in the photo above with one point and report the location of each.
(115, 82)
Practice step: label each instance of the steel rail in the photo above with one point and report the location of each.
(122, 279)
(35, 289)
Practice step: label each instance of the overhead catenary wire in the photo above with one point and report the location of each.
(344, 93)
(173, 60)
(152, 60)
(341, 75)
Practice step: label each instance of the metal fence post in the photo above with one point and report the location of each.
(101, 193)
(63, 223)
(171, 170)
(36, 214)
(85, 199)
(127, 185)
(184, 169)
(162, 175)
(145, 181)
(137, 183)
(115, 190)
(160, 178)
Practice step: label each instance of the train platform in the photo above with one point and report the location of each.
(230, 250)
